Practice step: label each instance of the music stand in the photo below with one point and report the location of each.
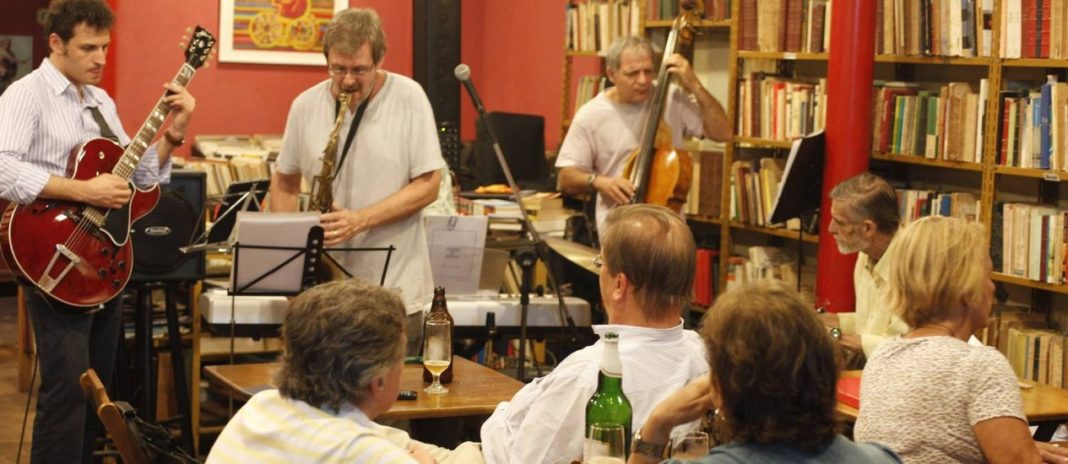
(239, 196)
(310, 254)
(801, 188)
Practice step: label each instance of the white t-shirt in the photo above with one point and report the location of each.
(396, 142)
(544, 421)
(604, 133)
(922, 396)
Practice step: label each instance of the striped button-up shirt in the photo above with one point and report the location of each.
(42, 118)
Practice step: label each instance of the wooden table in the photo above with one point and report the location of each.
(1044, 406)
(475, 389)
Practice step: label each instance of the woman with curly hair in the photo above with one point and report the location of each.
(772, 384)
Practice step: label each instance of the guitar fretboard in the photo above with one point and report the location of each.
(127, 164)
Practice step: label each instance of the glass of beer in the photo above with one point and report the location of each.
(693, 445)
(437, 352)
(605, 444)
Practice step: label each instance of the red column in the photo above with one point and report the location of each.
(107, 81)
(849, 125)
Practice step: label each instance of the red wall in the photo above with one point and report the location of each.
(515, 50)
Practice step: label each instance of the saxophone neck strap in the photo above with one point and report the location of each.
(352, 130)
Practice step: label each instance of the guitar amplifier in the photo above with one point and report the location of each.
(157, 237)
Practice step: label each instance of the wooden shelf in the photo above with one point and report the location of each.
(789, 56)
(999, 277)
(704, 219)
(704, 24)
(1034, 63)
(938, 60)
(778, 232)
(1053, 176)
(913, 159)
(582, 53)
(762, 143)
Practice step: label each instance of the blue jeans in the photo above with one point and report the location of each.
(70, 340)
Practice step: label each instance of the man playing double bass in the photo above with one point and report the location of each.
(607, 129)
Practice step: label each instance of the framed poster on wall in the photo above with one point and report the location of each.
(16, 58)
(275, 31)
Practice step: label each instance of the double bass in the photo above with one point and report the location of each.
(660, 173)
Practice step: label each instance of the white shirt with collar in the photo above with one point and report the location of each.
(544, 422)
(42, 118)
(873, 319)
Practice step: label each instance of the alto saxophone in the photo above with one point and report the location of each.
(322, 192)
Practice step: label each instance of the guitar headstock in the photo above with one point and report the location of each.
(199, 48)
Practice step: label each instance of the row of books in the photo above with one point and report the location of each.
(1035, 352)
(934, 27)
(668, 9)
(593, 25)
(785, 25)
(754, 187)
(914, 204)
(777, 108)
(1033, 242)
(706, 188)
(588, 87)
(220, 173)
(1032, 129)
(943, 123)
(1034, 28)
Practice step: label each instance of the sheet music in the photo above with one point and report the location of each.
(271, 229)
(456, 246)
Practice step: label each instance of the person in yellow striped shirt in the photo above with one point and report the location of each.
(341, 368)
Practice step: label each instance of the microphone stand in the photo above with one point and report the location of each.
(540, 248)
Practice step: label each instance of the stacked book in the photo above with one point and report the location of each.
(754, 188)
(1034, 28)
(594, 25)
(934, 27)
(1031, 243)
(776, 108)
(914, 204)
(1031, 132)
(943, 123)
(785, 25)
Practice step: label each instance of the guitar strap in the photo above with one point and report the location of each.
(352, 130)
(105, 130)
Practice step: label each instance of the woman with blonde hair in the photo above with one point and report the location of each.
(928, 394)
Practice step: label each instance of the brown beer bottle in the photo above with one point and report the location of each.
(439, 311)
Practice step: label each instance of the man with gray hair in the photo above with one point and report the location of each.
(608, 128)
(646, 278)
(388, 161)
(341, 368)
(864, 220)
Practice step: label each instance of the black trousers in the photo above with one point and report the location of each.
(70, 340)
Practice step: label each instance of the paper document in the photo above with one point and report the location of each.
(288, 230)
(456, 245)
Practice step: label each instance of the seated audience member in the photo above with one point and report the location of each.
(341, 368)
(772, 382)
(646, 279)
(864, 219)
(927, 394)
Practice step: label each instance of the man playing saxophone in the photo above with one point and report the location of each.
(387, 161)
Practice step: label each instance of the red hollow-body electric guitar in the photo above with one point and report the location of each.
(79, 254)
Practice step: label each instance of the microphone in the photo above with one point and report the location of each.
(463, 74)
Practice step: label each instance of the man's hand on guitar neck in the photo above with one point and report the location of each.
(182, 103)
(105, 191)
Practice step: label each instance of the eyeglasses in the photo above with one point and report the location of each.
(357, 72)
(597, 261)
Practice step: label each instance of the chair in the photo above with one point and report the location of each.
(113, 415)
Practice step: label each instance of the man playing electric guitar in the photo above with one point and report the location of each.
(42, 117)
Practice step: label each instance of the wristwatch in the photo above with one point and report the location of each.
(174, 141)
(589, 179)
(653, 450)
(836, 334)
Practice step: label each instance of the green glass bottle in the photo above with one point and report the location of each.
(609, 405)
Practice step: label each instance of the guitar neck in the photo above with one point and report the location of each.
(132, 156)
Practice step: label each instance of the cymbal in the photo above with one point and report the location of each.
(577, 253)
